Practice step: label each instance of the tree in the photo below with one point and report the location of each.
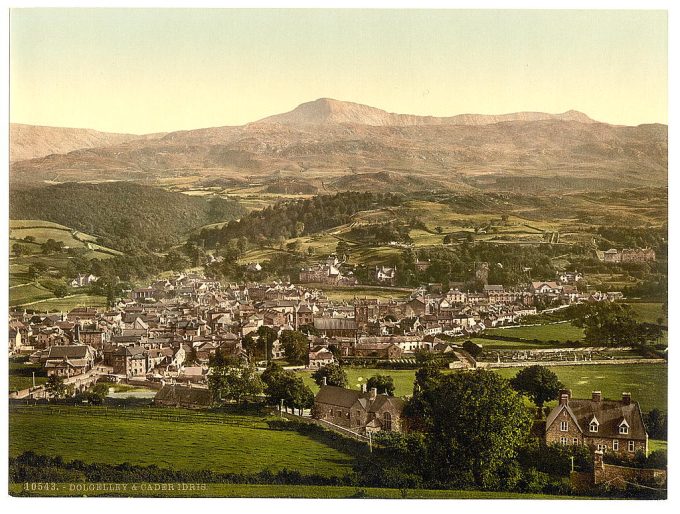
(538, 383)
(19, 249)
(266, 337)
(334, 374)
(296, 346)
(60, 290)
(51, 246)
(96, 394)
(383, 383)
(234, 382)
(285, 385)
(475, 424)
(36, 269)
(55, 387)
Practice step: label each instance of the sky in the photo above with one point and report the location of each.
(157, 70)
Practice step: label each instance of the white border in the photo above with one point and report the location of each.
(337, 506)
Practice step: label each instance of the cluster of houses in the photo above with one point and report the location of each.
(172, 327)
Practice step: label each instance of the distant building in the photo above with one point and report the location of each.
(385, 275)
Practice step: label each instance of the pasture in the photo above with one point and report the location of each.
(403, 378)
(646, 382)
(249, 447)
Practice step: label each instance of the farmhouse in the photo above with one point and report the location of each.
(606, 425)
(359, 411)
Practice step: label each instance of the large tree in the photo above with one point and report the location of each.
(334, 374)
(475, 424)
(383, 383)
(234, 382)
(296, 346)
(538, 383)
(55, 387)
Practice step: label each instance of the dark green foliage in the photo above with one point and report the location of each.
(284, 385)
(656, 422)
(334, 374)
(296, 346)
(55, 386)
(383, 383)
(29, 467)
(237, 383)
(475, 425)
(294, 218)
(538, 383)
(613, 324)
(125, 215)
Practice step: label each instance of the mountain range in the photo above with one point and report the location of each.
(330, 145)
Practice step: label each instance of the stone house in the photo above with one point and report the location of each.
(358, 411)
(67, 361)
(606, 425)
(378, 350)
(130, 361)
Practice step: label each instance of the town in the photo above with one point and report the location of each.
(178, 341)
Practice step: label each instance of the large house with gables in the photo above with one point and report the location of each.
(607, 425)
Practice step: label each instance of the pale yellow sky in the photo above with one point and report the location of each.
(144, 71)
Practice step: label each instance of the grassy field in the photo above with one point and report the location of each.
(282, 491)
(657, 444)
(403, 378)
(648, 312)
(558, 332)
(647, 383)
(191, 446)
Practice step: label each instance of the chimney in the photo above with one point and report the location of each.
(564, 396)
(325, 381)
(374, 393)
(625, 398)
(597, 396)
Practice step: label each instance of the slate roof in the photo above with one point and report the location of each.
(184, 395)
(76, 351)
(609, 414)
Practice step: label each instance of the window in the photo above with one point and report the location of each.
(623, 429)
(593, 426)
(575, 442)
(387, 421)
(631, 446)
(602, 447)
(563, 440)
(564, 426)
(615, 445)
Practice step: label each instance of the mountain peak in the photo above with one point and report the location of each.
(329, 111)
